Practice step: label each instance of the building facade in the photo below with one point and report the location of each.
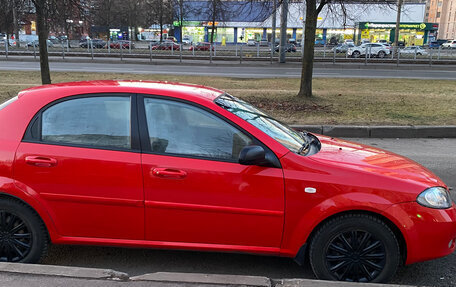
(253, 20)
(442, 12)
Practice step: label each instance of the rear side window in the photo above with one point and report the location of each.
(96, 121)
(5, 104)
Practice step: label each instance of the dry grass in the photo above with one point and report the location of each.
(336, 101)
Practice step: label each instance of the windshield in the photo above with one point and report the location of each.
(272, 127)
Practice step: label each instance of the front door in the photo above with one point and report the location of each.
(196, 192)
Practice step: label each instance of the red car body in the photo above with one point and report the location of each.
(201, 47)
(140, 199)
(125, 45)
(167, 46)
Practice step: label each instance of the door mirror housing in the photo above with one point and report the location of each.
(253, 155)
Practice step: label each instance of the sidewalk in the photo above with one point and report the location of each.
(16, 274)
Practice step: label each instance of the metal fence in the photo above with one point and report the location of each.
(234, 52)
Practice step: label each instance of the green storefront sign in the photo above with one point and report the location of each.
(391, 25)
(187, 23)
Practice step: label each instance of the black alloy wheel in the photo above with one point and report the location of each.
(23, 235)
(355, 248)
(15, 237)
(355, 256)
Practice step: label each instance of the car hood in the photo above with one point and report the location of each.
(374, 160)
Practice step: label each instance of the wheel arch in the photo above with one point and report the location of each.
(41, 213)
(303, 252)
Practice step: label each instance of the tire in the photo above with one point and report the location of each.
(356, 54)
(375, 258)
(381, 54)
(23, 236)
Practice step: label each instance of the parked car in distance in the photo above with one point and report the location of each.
(95, 43)
(180, 166)
(372, 49)
(288, 48)
(264, 43)
(36, 43)
(319, 42)
(450, 44)
(382, 41)
(201, 46)
(251, 42)
(413, 50)
(348, 41)
(343, 48)
(187, 40)
(437, 43)
(125, 44)
(168, 45)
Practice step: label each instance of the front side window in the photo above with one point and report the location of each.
(94, 121)
(183, 129)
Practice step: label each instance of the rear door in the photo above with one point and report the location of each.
(81, 156)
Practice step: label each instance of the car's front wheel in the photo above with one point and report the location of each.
(356, 54)
(23, 236)
(381, 54)
(355, 248)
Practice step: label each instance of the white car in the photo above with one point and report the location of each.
(449, 44)
(187, 40)
(251, 42)
(412, 50)
(374, 49)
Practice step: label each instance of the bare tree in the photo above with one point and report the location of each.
(313, 9)
(47, 10)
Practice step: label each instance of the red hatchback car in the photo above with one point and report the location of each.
(163, 165)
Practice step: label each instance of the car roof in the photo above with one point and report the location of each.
(162, 88)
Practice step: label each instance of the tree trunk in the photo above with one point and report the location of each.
(283, 32)
(398, 22)
(15, 24)
(214, 14)
(309, 45)
(181, 19)
(274, 26)
(161, 21)
(42, 39)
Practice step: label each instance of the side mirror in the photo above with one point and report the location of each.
(252, 155)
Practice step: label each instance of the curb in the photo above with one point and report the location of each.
(63, 271)
(46, 275)
(321, 283)
(197, 278)
(380, 131)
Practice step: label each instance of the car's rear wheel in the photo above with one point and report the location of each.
(23, 236)
(355, 248)
(356, 54)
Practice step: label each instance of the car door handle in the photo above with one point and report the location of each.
(169, 173)
(40, 161)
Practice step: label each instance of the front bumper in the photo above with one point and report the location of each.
(428, 233)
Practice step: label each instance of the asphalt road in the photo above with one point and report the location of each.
(262, 70)
(436, 154)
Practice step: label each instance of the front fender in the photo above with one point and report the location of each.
(297, 230)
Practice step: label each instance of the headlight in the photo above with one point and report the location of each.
(435, 197)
